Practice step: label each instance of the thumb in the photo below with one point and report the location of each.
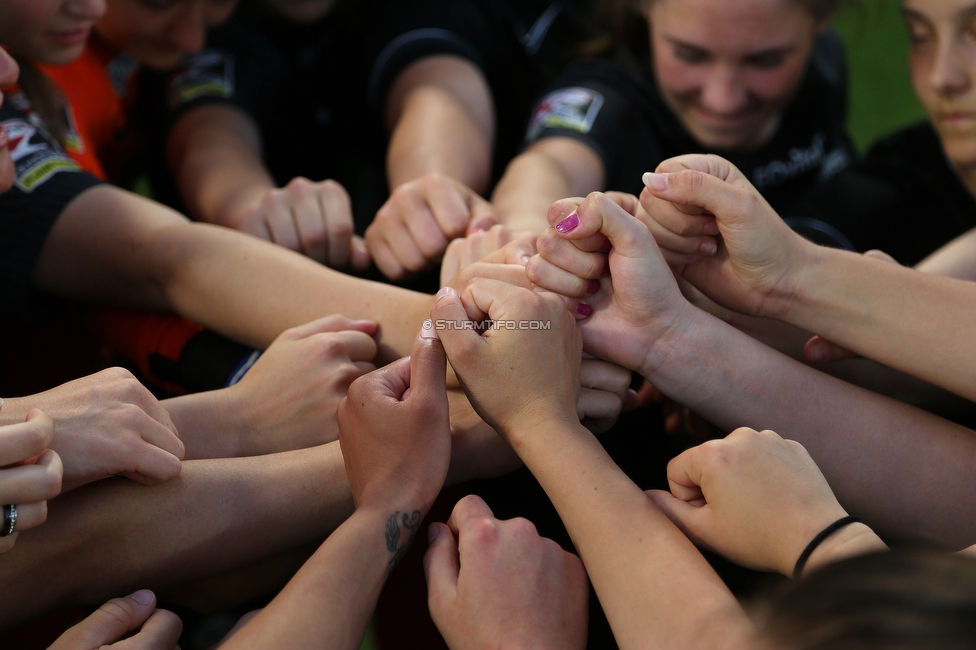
(359, 257)
(598, 219)
(441, 567)
(459, 342)
(428, 365)
(688, 518)
(109, 623)
(519, 251)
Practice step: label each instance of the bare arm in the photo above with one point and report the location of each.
(114, 247)
(549, 170)
(957, 259)
(441, 114)
(215, 154)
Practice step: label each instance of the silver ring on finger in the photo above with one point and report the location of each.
(9, 520)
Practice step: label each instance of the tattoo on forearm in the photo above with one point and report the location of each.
(410, 522)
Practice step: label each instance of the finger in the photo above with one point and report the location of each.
(466, 510)
(520, 251)
(606, 376)
(880, 255)
(565, 255)
(403, 244)
(460, 344)
(357, 346)
(702, 190)
(598, 404)
(690, 519)
(310, 222)
(110, 622)
(551, 277)
(428, 370)
(333, 323)
(597, 214)
(152, 464)
(685, 473)
(482, 223)
(389, 382)
(670, 240)
(25, 439)
(452, 261)
(161, 632)
(482, 214)
(32, 483)
(820, 350)
(625, 200)
(382, 254)
(441, 567)
(449, 205)
(30, 515)
(425, 230)
(280, 221)
(337, 207)
(154, 409)
(360, 253)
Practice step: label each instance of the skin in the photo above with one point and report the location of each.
(159, 33)
(8, 76)
(135, 615)
(942, 63)
(639, 317)
(726, 68)
(52, 31)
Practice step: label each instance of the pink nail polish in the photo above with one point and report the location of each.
(568, 224)
(584, 309)
(593, 287)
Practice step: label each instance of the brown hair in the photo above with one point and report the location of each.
(896, 601)
(47, 101)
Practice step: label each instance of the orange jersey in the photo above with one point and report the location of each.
(99, 88)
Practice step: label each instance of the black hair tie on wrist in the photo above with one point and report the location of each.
(818, 540)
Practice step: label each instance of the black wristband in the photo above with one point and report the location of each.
(818, 540)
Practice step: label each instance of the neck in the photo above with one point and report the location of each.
(968, 176)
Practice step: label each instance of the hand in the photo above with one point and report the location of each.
(32, 473)
(314, 219)
(752, 268)
(288, 399)
(512, 376)
(628, 312)
(752, 497)
(107, 424)
(477, 451)
(413, 228)
(394, 430)
(501, 585)
(112, 624)
(497, 245)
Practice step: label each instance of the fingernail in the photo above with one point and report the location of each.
(432, 532)
(477, 230)
(584, 309)
(444, 292)
(143, 597)
(568, 224)
(711, 228)
(428, 331)
(817, 352)
(523, 260)
(708, 247)
(593, 286)
(657, 182)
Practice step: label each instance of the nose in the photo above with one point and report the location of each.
(86, 9)
(723, 92)
(9, 71)
(188, 33)
(950, 72)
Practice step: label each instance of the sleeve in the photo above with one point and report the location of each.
(591, 106)
(238, 68)
(46, 180)
(409, 32)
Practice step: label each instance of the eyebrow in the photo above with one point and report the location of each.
(786, 49)
(963, 14)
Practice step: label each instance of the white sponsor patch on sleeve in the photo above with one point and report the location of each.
(574, 109)
(35, 158)
(207, 74)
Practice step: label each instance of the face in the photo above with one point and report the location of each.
(8, 76)
(728, 68)
(942, 61)
(159, 33)
(48, 31)
(301, 11)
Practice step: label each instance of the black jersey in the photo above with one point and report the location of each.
(614, 106)
(904, 198)
(46, 181)
(317, 91)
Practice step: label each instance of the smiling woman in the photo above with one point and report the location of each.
(763, 82)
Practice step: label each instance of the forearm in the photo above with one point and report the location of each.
(217, 516)
(906, 472)
(215, 155)
(850, 541)
(655, 587)
(251, 291)
(957, 259)
(550, 170)
(329, 602)
(915, 322)
(441, 114)
(207, 425)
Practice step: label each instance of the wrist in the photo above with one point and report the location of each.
(850, 541)
(236, 413)
(797, 282)
(237, 205)
(673, 339)
(539, 424)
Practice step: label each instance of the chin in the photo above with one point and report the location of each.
(960, 149)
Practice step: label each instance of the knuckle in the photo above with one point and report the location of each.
(523, 528)
(483, 530)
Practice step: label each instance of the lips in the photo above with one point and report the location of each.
(70, 38)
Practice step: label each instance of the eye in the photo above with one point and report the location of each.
(766, 60)
(690, 54)
(918, 32)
